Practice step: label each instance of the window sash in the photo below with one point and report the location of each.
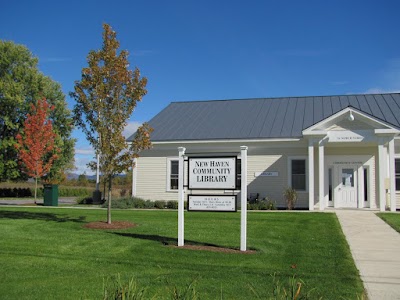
(173, 174)
(397, 173)
(298, 174)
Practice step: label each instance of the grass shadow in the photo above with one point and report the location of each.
(165, 240)
(18, 215)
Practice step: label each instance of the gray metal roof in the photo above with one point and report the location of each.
(264, 117)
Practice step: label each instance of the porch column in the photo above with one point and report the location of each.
(321, 175)
(381, 175)
(392, 176)
(311, 174)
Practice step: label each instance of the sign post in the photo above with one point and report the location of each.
(243, 210)
(181, 204)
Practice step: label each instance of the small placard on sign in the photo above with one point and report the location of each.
(212, 203)
(266, 174)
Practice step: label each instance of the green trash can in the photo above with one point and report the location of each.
(50, 195)
(96, 197)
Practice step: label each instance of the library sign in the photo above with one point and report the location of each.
(212, 173)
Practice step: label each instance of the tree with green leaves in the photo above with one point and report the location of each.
(21, 84)
(106, 97)
(82, 179)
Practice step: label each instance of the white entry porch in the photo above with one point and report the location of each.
(350, 179)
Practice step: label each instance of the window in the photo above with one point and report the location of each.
(173, 174)
(365, 184)
(330, 184)
(298, 174)
(239, 174)
(348, 177)
(397, 171)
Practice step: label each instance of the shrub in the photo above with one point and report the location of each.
(269, 204)
(290, 195)
(172, 204)
(16, 192)
(264, 204)
(84, 200)
(138, 203)
(159, 204)
(130, 202)
(68, 192)
(134, 202)
(149, 204)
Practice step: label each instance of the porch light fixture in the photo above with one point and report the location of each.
(351, 117)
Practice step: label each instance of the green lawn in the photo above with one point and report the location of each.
(45, 253)
(393, 219)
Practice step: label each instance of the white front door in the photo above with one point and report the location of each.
(347, 191)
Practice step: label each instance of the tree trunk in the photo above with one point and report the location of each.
(35, 189)
(109, 201)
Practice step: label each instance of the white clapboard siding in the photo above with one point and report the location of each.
(152, 179)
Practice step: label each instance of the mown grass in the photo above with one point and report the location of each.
(46, 253)
(393, 219)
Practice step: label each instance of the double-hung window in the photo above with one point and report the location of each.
(397, 172)
(172, 174)
(298, 174)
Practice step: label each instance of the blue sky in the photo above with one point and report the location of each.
(207, 50)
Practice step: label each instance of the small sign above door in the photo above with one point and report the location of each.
(266, 174)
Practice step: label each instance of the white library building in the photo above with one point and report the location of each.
(335, 151)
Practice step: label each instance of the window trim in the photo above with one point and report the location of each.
(290, 159)
(168, 177)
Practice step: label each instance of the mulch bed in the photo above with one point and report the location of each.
(113, 225)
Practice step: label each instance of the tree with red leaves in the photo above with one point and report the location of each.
(35, 144)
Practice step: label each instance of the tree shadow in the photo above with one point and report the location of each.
(15, 215)
(163, 239)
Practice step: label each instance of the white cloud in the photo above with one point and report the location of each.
(84, 151)
(377, 90)
(131, 128)
(80, 164)
(387, 79)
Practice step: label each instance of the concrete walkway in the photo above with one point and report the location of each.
(375, 247)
